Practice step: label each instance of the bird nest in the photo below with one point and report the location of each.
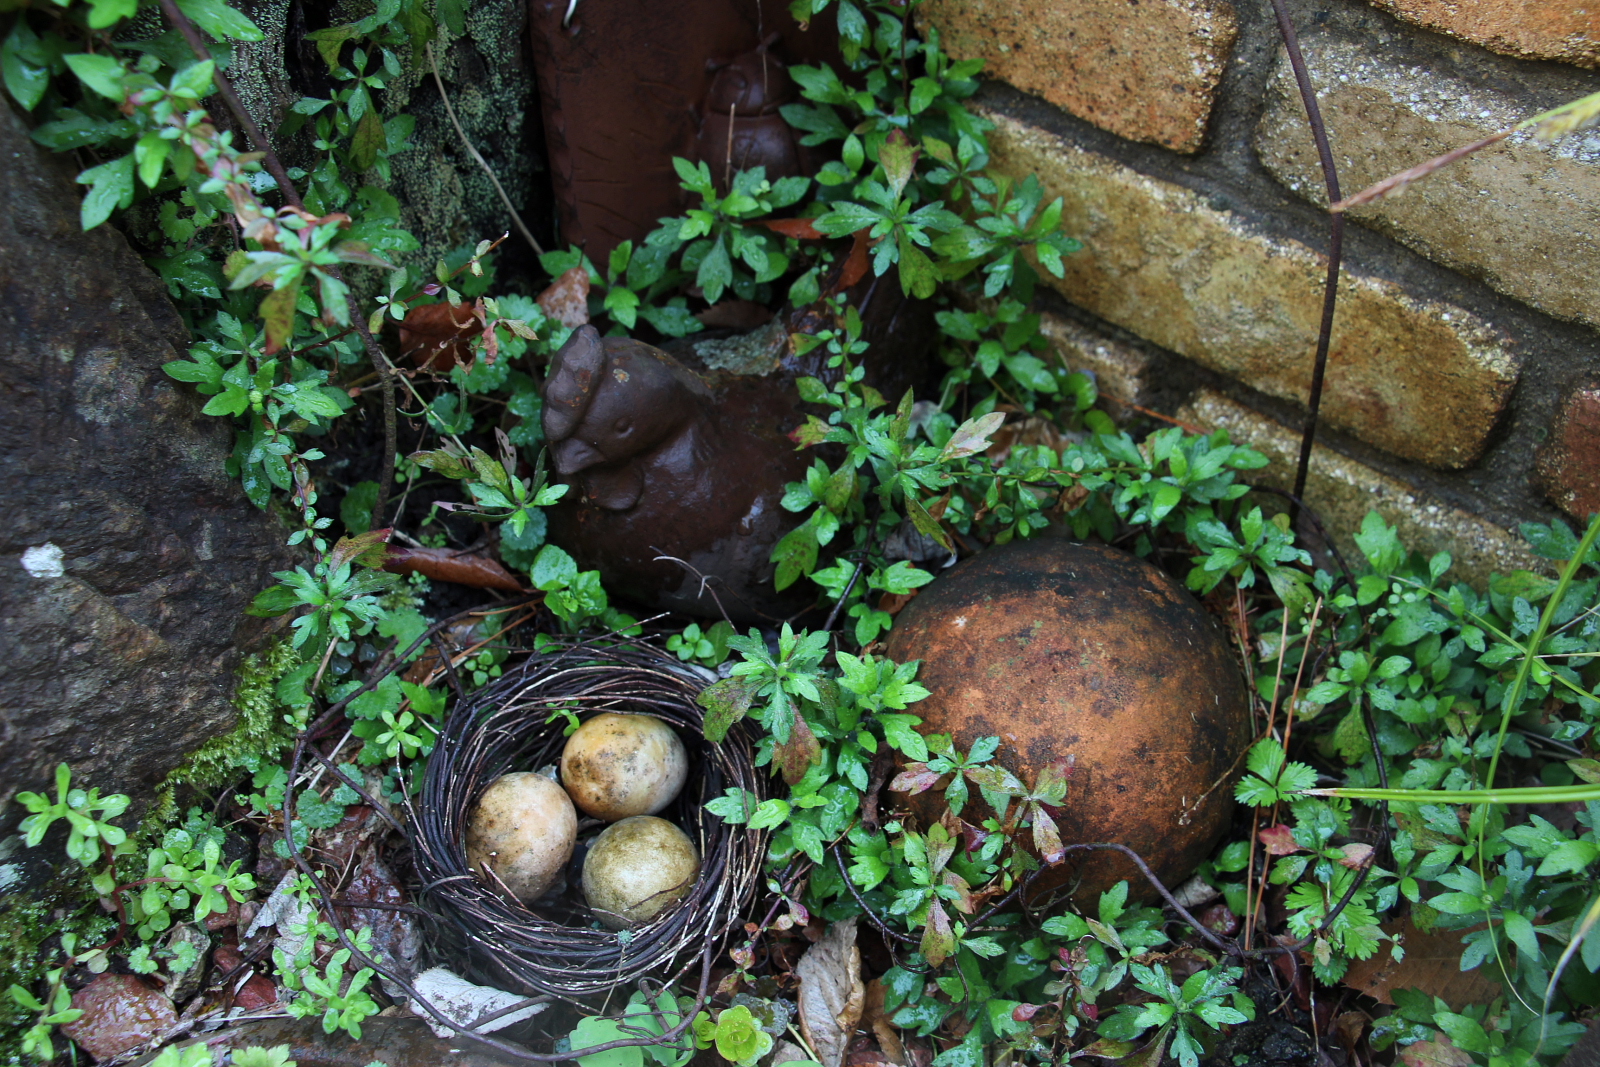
(556, 945)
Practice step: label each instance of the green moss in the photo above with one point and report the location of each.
(262, 732)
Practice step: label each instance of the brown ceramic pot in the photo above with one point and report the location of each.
(1064, 649)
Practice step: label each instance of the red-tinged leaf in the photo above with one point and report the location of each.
(855, 264)
(1050, 787)
(802, 229)
(965, 902)
(975, 836)
(938, 940)
(812, 432)
(996, 779)
(277, 312)
(725, 702)
(1356, 855)
(364, 549)
(916, 778)
(926, 524)
(450, 565)
(1219, 918)
(1089, 1011)
(567, 299)
(358, 252)
(1106, 1049)
(1046, 837)
(1279, 840)
(796, 755)
(439, 336)
(1023, 1012)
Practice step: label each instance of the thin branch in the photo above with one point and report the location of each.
(450, 110)
(197, 44)
(1330, 292)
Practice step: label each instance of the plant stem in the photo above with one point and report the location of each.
(181, 23)
(1330, 291)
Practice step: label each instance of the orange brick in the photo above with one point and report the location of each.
(1567, 30)
(1569, 462)
(1146, 70)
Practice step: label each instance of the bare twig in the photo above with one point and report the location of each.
(449, 109)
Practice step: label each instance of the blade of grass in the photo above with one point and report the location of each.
(1544, 794)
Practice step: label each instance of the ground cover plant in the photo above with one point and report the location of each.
(1425, 763)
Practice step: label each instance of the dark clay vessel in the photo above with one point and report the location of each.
(1064, 649)
(665, 462)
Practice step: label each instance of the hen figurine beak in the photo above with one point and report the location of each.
(573, 455)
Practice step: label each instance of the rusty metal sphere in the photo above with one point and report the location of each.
(1079, 650)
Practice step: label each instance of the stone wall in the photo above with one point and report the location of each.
(1463, 392)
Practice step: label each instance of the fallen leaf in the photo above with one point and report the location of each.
(855, 264)
(567, 299)
(893, 602)
(876, 1019)
(832, 996)
(1432, 964)
(439, 336)
(246, 988)
(801, 229)
(450, 565)
(395, 938)
(120, 1012)
(465, 1003)
(1440, 1053)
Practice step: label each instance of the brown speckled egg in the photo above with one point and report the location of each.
(524, 828)
(617, 766)
(1064, 649)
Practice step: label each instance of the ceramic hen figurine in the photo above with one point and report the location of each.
(664, 462)
(741, 127)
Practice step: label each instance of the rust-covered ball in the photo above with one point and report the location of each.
(1064, 649)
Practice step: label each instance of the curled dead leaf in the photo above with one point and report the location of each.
(439, 336)
(567, 298)
(449, 565)
(832, 996)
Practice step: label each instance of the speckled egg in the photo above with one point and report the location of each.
(638, 868)
(617, 766)
(524, 829)
(1064, 649)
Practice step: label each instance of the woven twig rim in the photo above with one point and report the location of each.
(503, 728)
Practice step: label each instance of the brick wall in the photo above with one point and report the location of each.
(1463, 392)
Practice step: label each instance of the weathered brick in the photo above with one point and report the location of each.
(1569, 462)
(1121, 372)
(1146, 71)
(1418, 378)
(1523, 215)
(1342, 491)
(1568, 30)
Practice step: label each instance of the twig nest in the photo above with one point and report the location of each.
(523, 829)
(636, 869)
(617, 766)
(1092, 660)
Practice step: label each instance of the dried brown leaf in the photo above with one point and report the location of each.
(1440, 1053)
(567, 299)
(1432, 965)
(832, 996)
(439, 336)
(449, 565)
